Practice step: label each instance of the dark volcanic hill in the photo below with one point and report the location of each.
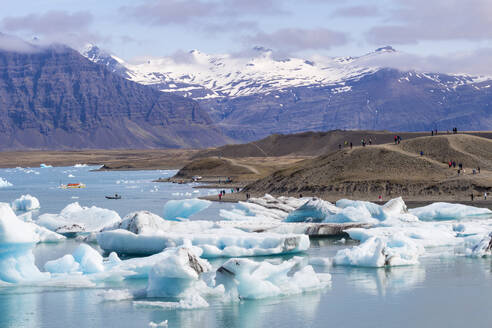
(54, 98)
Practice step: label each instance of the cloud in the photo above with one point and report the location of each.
(358, 11)
(477, 62)
(12, 43)
(418, 20)
(185, 12)
(296, 39)
(54, 26)
(49, 23)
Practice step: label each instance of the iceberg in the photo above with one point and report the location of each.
(247, 279)
(481, 249)
(449, 211)
(25, 203)
(176, 273)
(146, 233)
(84, 259)
(75, 219)
(314, 210)
(176, 209)
(395, 250)
(4, 183)
(17, 239)
(42, 165)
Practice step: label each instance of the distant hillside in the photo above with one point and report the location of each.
(312, 143)
(389, 170)
(54, 98)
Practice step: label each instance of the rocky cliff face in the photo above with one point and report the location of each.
(55, 98)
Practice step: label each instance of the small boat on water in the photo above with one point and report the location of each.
(116, 196)
(72, 186)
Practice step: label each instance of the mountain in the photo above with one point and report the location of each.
(251, 96)
(54, 98)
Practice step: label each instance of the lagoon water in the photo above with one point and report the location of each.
(442, 291)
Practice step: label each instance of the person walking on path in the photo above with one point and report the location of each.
(485, 195)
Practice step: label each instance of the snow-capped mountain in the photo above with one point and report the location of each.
(252, 96)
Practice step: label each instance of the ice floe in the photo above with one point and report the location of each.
(75, 219)
(448, 211)
(175, 210)
(25, 203)
(4, 183)
(247, 279)
(17, 238)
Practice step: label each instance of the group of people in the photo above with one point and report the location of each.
(223, 192)
(397, 140)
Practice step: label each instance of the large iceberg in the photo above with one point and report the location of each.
(4, 183)
(176, 209)
(449, 211)
(17, 238)
(25, 203)
(145, 233)
(75, 218)
(247, 279)
(395, 250)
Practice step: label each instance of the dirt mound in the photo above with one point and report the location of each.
(212, 167)
(469, 150)
(304, 144)
(388, 170)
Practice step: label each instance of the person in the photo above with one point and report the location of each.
(460, 165)
(450, 164)
(454, 164)
(459, 172)
(380, 198)
(471, 195)
(220, 196)
(421, 153)
(432, 133)
(339, 146)
(396, 139)
(474, 171)
(300, 195)
(370, 141)
(485, 195)
(478, 169)
(351, 145)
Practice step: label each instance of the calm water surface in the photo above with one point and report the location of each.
(443, 291)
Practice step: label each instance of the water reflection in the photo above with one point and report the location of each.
(381, 281)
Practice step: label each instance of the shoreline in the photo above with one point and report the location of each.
(411, 203)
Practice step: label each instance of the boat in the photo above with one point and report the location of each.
(116, 196)
(72, 186)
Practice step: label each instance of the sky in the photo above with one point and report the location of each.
(434, 35)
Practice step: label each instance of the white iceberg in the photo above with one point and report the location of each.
(80, 165)
(42, 165)
(449, 211)
(25, 203)
(247, 279)
(481, 249)
(4, 183)
(395, 250)
(314, 210)
(75, 218)
(176, 209)
(176, 273)
(17, 238)
(65, 264)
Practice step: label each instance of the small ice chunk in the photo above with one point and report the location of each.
(89, 259)
(4, 183)
(175, 209)
(65, 264)
(377, 252)
(189, 303)
(25, 203)
(246, 279)
(175, 274)
(153, 324)
(42, 165)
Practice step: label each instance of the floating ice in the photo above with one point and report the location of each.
(17, 238)
(45, 165)
(4, 183)
(117, 294)
(175, 209)
(449, 211)
(75, 218)
(314, 210)
(176, 273)
(80, 165)
(481, 249)
(89, 259)
(246, 279)
(71, 176)
(395, 250)
(153, 324)
(25, 203)
(65, 264)
(189, 303)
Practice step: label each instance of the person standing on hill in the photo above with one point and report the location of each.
(396, 139)
(485, 195)
(351, 145)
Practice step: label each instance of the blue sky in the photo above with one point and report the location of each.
(427, 31)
